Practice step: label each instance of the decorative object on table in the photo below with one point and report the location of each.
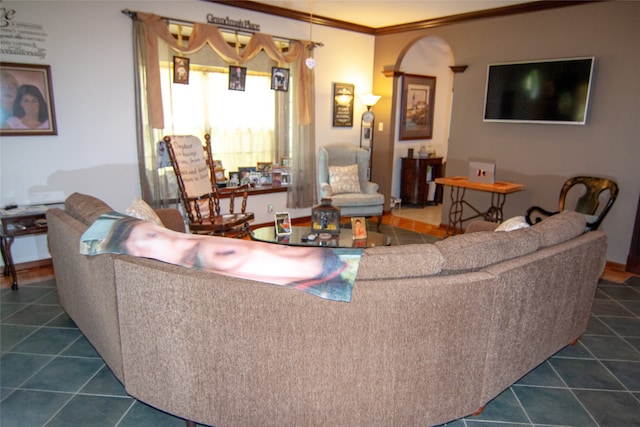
(325, 218)
(181, 70)
(484, 172)
(410, 153)
(589, 192)
(359, 227)
(280, 79)
(264, 167)
(276, 179)
(219, 174)
(285, 162)
(27, 80)
(343, 94)
(254, 177)
(244, 172)
(417, 104)
(285, 179)
(237, 77)
(234, 181)
(283, 223)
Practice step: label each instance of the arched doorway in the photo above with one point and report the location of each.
(428, 56)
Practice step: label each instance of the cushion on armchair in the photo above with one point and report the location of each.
(344, 179)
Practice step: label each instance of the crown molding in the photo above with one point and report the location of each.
(534, 6)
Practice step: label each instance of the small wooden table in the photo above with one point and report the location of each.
(22, 221)
(459, 184)
(343, 240)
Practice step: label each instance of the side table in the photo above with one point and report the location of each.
(22, 221)
(459, 184)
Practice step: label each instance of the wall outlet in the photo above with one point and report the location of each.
(269, 208)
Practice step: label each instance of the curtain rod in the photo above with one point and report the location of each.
(133, 15)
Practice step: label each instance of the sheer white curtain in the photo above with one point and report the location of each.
(241, 123)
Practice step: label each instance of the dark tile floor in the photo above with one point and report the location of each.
(51, 375)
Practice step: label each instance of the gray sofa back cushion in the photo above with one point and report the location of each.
(559, 228)
(385, 262)
(85, 208)
(473, 251)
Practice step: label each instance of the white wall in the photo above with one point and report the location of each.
(89, 49)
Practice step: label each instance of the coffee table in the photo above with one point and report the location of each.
(343, 240)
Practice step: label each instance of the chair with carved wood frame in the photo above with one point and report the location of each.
(201, 198)
(595, 189)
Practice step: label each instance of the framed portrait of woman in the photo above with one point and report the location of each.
(27, 100)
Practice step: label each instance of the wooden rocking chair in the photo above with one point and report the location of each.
(199, 193)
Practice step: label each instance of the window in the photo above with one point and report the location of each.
(241, 123)
(252, 126)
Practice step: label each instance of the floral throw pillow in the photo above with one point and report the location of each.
(344, 179)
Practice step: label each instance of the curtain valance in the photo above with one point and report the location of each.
(156, 28)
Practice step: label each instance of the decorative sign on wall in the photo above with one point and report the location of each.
(244, 24)
(20, 38)
(343, 94)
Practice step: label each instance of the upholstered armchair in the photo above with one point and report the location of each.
(342, 177)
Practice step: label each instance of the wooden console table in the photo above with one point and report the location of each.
(459, 184)
(23, 221)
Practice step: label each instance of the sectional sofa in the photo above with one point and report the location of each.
(433, 331)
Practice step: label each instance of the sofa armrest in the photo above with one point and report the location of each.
(481, 226)
(172, 219)
(369, 187)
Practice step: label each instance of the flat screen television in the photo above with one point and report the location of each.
(550, 91)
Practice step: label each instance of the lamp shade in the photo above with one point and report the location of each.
(369, 99)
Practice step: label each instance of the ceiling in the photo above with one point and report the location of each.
(386, 13)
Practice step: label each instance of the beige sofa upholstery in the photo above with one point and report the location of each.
(433, 332)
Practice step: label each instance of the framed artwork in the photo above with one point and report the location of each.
(237, 77)
(418, 100)
(280, 79)
(265, 167)
(283, 223)
(343, 94)
(276, 179)
(359, 227)
(285, 162)
(181, 70)
(285, 178)
(217, 164)
(255, 179)
(266, 178)
(27, 100)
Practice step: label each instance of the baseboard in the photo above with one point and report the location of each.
(34, 264)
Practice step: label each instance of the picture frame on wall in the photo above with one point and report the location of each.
(417, 105)
(181, 70)
(237, 77)
(343, 96)
(280, 79)
(26, 82)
